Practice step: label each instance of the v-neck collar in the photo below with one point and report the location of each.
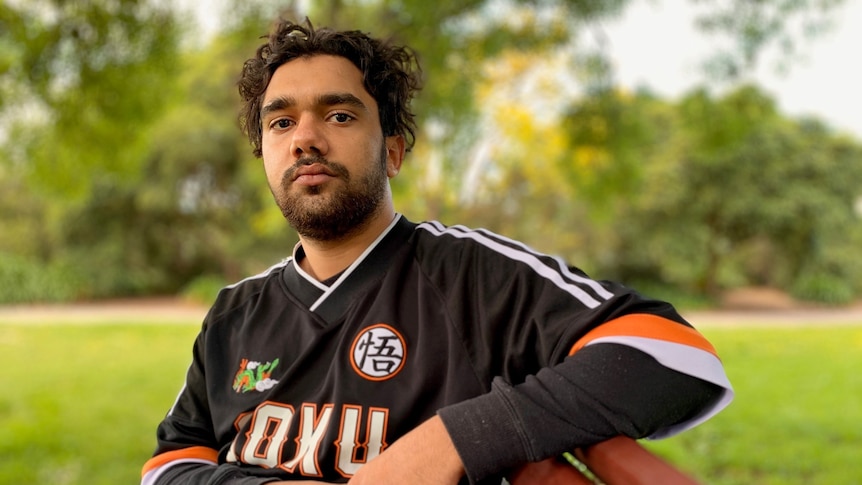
(330, 302)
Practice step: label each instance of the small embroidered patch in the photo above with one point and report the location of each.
(254, 376)
(378, 352)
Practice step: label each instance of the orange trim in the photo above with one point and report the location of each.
(195, 452)
(646, 326)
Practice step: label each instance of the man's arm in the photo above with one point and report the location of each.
(205, 474)
(603, 391)
(424, 456)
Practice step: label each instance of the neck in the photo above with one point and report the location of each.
(324, 259)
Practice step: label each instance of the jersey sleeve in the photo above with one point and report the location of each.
(184, 436)
(194, 438)
(570, 361)
(629, 366)
(604, 391)
(675, 346)
(187, 450)
(530, 310)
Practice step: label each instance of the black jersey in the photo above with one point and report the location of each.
(294, 378)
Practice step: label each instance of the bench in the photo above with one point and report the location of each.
(617, 461)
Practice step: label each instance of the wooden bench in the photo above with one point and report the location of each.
(618, 461)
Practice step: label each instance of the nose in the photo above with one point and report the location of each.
(309, 137)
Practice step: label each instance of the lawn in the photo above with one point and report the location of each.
(80, 404)
(797, 413)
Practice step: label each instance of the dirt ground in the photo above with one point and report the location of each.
(748, 307)
(169, 310)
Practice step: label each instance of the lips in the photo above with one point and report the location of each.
(312, 170)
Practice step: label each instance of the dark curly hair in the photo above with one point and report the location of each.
(391, 74)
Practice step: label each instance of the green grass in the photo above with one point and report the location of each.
(797, 413)
(80, 404)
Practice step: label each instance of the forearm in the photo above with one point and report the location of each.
(603, 391)
(206, 474)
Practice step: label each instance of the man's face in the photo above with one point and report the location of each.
(325, 156)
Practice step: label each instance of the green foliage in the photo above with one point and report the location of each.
(26, 281)
(750, 198)
(825, 288)
(204, 289)
(758, 28)
(136, 181)
(98, 71)
(123, 165)
(24, 216)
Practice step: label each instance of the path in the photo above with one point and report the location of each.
(168, 310)
(171, 310)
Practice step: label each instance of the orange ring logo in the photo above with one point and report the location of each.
(378, 352)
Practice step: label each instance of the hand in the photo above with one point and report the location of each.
(424, 456)
(303, 482)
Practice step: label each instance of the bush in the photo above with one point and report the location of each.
(23, 280)
(203, 289)
(823, 288)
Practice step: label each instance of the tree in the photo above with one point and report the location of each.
(81, 82)
(753, 198)
(119, 134)
(97, 71)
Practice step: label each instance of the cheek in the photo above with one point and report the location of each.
(267, 147)
(270, 168)
(271, 161)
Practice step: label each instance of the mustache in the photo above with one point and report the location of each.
(333, 168)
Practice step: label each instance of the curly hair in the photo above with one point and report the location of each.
(390, 73)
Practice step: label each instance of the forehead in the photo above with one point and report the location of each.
(305, 78)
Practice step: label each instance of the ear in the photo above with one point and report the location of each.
(395, 149)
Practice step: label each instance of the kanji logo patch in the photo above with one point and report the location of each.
(378, 352)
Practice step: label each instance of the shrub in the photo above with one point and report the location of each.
(203, 289)
(823, 288)
(23, 280)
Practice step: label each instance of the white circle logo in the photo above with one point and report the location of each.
(378, 352)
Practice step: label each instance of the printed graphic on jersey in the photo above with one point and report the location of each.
(378, 353)
(254, 376)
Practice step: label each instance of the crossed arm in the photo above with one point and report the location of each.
(603, 391)
(402, 463)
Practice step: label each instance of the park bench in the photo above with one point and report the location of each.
(618, 461)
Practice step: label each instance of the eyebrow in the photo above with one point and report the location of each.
(328, 99)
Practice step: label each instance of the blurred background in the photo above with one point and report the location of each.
(687, 148)
(693, 149)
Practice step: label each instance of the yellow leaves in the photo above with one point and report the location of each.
(588, 158)
(540, 137)
(591, 154)
(522, 96)
(528, 149)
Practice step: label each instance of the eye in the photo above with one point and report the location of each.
(281, 124)
(342, 117)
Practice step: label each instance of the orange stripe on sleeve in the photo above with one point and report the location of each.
(192, 453)
(646, 326)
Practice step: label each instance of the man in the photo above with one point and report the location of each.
(386, 352)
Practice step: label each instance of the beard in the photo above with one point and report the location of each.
(330, 215)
